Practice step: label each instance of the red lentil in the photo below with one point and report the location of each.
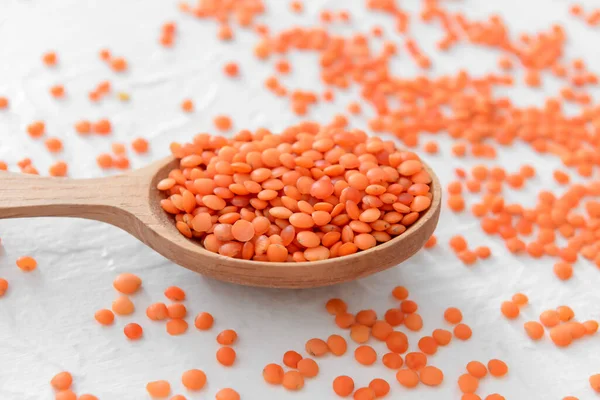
(273, 374)
(158, 388)
(343, 386)
(291, 359)
(133, 331)
(3, 286)
(226, 356)
(127, 283)
(497, 368)
(26, 263)
(293, 380)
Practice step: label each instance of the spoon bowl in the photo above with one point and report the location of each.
(131, 202)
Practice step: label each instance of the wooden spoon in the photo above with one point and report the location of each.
(132, 202)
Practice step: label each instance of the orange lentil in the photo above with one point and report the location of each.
(158, 388)
(26, 263)
(563, 270)
(483, 252)
(57, 91)
(428, 345)
(416, 361)
(456, 203)
(50, 58)
(36, 129)
(534, 330)
(595, 382)
(193, 379)
(227, 394)
(66, 395)
(497, 368)
(561, 177)
(442, 336)
(343, 386)
(291, 359)
(565, 313)
(176, 311)
(133, 331)
(140, 145)
(561, 335)
(176, 327)
(477, 369)
(431, 376)
(231, 69)
(316, 347)
(365, 355)
(400, 293)
(123, 306)
(308, 368)
(462, 332)
(227, 337)
(104, 161)
(225, 32)
(591, 327)
(104, 317)
(396, 342)
(293, 380)
(337, 345)
(222, 122)
(175, 293)
(453, 315)
(118, 148)
(431, 242)
(408, 306)
(394, 316)
(468, 383)
(520, 299)
(187, 105)
(344, 320)
(381, 330)
(458, 243)
(204, 321)
(577, 329)
(104, 54)
(509, 309)
(273, 374)
(118, 64)
(3, 286)
(495, 396)
(392, 360)
(380, 387)
(366, 317)
(413, 322)
(407, 378)
(336, 306)
(157, 312)
(549, 318)
(62, 381)
(127, 283)
(3, 103)
(102, 127)
(92, 397)
(226, 356)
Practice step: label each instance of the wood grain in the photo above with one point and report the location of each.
(132, 203)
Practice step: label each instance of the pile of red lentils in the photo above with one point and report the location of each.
(323, 190)
(307, 194)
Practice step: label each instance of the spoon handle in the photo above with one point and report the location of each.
(102, 199)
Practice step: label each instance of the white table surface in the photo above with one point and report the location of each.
(46, 317)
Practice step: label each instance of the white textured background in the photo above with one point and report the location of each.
(46, 318)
